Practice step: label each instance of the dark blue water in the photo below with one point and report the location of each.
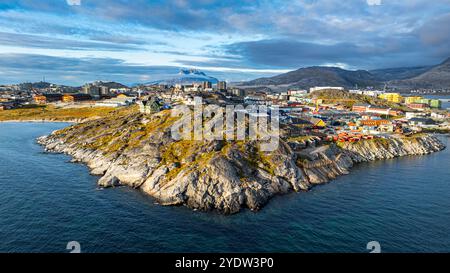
(45, 202)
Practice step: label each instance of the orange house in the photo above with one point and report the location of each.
(376, 122)
(40, 99)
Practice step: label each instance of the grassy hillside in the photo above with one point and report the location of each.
(52, 113)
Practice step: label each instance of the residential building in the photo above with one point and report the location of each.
(39, 99)
(222, 86)
(325, 88)
(149, 106)
(374, 122)
(411, 100)
(435, 103)
(297, 92)
(92, 90)
(206, 85)
(418, 106)
(422, 121)
(68, 98)
(410, 115)
(392, 97)
(372, 93)
(438, 115)
(237, 92)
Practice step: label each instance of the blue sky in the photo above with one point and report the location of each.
(75, 41)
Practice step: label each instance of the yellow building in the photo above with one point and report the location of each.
(40, 99)
(68, 98)
(317, 122)
(411, 100)
(392, 97)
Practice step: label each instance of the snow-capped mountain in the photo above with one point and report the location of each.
(186, 76)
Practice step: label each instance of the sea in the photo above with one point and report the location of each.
(46, 201)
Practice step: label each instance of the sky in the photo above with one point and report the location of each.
(76, 41)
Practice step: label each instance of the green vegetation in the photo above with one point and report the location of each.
(52, 113)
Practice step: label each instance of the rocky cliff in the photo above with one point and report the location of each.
(137, 151)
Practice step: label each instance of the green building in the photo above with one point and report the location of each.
(435, 103)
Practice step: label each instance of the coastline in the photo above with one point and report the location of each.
(40, 121)
(217, 185)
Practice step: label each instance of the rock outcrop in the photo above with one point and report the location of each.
(138, 151)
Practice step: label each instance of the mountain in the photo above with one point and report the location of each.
(438, 77)
(319, 76)
(114, 85)
(186, 76)
(405, 78)
(400, 73)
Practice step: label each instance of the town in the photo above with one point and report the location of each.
(310, 117)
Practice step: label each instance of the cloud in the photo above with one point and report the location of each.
(17, 68)
(249, 35)
(283, 53)
(74, 2)
(38, 41)
(374, 2)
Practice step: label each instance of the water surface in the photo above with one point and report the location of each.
(45, 202)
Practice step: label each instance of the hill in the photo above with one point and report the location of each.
(319, 76)
(438, 77)
(400, 73)
(406, 78)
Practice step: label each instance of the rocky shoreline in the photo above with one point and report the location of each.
(215, 175)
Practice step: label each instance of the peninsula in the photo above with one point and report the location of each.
(136, 150)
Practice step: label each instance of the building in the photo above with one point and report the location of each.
(255, 100)
(392, 97)
(68, 98)
(116, 102)
(372, 93)
(435, 103)
(410, 115)
(75, 97)
(360, 108)
(222, 86)
(325, 88)
(149, 106)
(192, 88)
(418, 106)
(297, 92)
(317, 122)
(374, 122)
(104, 90)
(411, 100)
(93, 90)
(237, 92)
(53, 97)
(206, 85)
(422, 121)
(438, 115)
(39, 99)
(366, 108)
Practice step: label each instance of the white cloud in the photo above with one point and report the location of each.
(74, 2)
(374, 2)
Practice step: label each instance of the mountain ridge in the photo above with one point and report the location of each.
(437, 76)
